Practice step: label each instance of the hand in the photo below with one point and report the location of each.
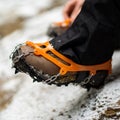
(72, 9)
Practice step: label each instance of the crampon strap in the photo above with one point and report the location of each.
(64, 23)
(65, 64)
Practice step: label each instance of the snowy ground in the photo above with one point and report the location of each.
(20, 98)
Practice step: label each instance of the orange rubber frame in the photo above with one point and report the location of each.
(64, 63)
(65, 23)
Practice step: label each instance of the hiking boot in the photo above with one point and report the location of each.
(44, 64)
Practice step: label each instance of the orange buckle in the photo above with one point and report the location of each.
(65, 23)
(65, 64)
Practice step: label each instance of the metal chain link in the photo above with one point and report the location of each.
(52, 78)
(86, 80)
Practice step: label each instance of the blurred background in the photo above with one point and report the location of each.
(21, 21)
(20, 98)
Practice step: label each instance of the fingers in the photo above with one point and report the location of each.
(75, 12)
(77, 9)
(72, 9)
(69, 7)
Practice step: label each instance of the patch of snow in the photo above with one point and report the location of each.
(38, 101)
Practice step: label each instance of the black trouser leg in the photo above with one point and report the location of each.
(91, 38)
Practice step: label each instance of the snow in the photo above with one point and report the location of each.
(42, 101)
(38, 101)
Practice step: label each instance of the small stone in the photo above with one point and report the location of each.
(61, 114)
(53, 110)
(69, 116)
(118, 102)
(110, 112)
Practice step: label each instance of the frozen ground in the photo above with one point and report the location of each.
(20, 98)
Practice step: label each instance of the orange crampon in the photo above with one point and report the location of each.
(57, 28)
(65, 64)
(64, 23)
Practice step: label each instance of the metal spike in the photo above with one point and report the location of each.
(16, 71)
(41, 72)
(34, 80)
